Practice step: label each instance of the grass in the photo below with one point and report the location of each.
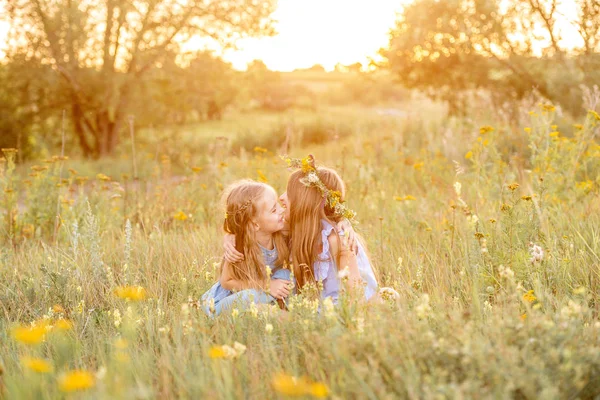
(475, 316)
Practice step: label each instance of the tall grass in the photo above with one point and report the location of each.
(454, 212)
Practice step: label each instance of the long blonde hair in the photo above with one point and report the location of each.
(307, 208)
(241, 207)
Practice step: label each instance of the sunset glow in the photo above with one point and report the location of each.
(323, 32)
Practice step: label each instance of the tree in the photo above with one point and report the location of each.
(102, 49)
(509, 47)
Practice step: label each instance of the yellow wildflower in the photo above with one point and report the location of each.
(103, 177)
(36, 364)
(526, 198)
(527, 130)
(492, 220)
(469, 155)
(529, 296)
(408, 197)
(133, 293)
(197, 169)
(292, 386)
(418, 166)
(554, 134)
(260, 149)
(63, 324)
(513, 186)
(216, 352)
(58, 309)
(547, 107)
(485, 129)
(76, 380)
(180, 216)
(594, 114)
(30, 335)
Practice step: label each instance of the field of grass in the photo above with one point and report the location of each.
(487, 228)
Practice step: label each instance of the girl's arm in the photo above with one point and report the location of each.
(229, 282)
(278, 288)
(347, 258)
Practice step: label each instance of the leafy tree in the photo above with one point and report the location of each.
(509, 47)
(103, 49)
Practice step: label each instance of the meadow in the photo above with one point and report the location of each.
(487, 228)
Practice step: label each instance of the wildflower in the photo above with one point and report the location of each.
(197, 169)
(526, 198)
(344, 273)
(389, 294)
(225, 351)
(485, 129)
(234, 313)
(239, 348)
(492, 220)
(585, 186)
(554, 134)
(523, 316)
(408, 197)
(260, 149)
(36, 364)
(579, 127)
(30, 335)
(268, 328)
(296, 387)
(527, 129)
(76, 380)
(103, 177)
(117, 318)
(180, 216)
(579, 290)
(133, 293)
(529, 296)
(469, 155)
(513, 186)
(63, 325)
(418, 166)
(505, 207)
(537, 254)
(547, 107)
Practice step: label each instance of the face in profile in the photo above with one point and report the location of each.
(270, 217)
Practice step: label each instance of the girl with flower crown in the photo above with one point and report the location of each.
(319, 248)
(255, 219)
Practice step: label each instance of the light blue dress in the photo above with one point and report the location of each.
(326, 270)
(226, 299)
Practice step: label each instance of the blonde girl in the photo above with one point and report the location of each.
(255, 218)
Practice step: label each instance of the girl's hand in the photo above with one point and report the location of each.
(279, 288)
(231, 254)
(351, 234)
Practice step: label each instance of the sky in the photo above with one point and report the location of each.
(323, 32)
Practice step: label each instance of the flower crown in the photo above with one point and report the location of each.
(333, 198)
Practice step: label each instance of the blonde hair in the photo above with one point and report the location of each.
(307, 209)
(241, 206)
